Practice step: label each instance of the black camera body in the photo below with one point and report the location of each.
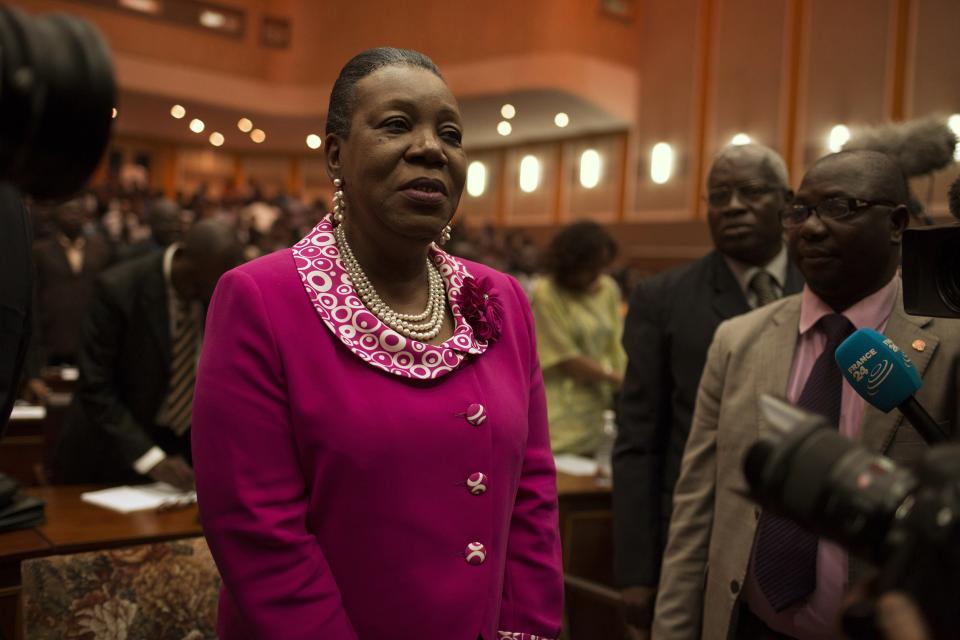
(931, 271)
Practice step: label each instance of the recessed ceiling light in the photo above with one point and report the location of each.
(244, 124)
(216, 138)
(196, 125)
(258, 136)
(504, 128)
(508, 111)
(177, 111)
(314, 141)
(561, 119)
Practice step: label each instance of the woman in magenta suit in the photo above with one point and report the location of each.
(369, 431)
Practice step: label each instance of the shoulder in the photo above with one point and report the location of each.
(681, 278)
(749, 326)
(132, 272)
(268, 273)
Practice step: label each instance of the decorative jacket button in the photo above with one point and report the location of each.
(477, 483)
(476, 553)
(476, 414)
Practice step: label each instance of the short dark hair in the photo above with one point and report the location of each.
(576, 247)
(340, 110)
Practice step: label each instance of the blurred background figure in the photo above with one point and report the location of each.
(67, 263)
(579, 326)
(165, 223)
(130, 418)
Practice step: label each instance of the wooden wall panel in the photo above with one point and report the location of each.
(845, 70)
(483, 209)
(668, 73)
(600, 203)
(748, 76)
(540, 206)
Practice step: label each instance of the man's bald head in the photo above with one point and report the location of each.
(765, 161)
(870, 175)
(165, 218)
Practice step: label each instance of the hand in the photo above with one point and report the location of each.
(37, 391)
(639, 603)
(899, 618)
(174, 470)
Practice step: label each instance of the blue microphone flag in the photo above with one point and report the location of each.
(877, 369)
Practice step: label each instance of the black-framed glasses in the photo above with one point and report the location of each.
(832, 209)
(750, 193)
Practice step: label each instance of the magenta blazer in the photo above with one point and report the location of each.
(341, 501)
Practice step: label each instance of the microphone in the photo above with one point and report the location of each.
(885, 377)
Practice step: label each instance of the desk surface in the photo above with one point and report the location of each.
(575, 485)
(74, 525)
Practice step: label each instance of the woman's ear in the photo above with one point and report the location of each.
(332, 146)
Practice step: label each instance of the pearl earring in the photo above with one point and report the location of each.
(339, 206)
(445, 235)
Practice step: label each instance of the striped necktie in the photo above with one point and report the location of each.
(785, 556)
(183, 370)
(762, 284)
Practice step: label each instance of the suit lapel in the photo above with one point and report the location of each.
(728, 298)
(777, 344)
(878, 428)
(154, 308)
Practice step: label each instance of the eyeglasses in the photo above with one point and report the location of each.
(751, 193)
(833, 209)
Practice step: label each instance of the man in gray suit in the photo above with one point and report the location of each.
(668, 329)
(728, 571)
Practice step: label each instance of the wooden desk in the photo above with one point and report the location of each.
(73, 526)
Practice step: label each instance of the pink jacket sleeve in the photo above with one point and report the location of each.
(532, 606)
(252, 493)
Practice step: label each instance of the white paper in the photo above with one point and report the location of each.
(575, 465)
(126, 499)
(28, 412)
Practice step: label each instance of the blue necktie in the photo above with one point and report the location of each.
(785, 556)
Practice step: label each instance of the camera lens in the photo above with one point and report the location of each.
(820, 479)
(57, 94)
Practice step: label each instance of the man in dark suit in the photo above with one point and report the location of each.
(131, 414)
(669, 326)
(165, 219)
(66, 266)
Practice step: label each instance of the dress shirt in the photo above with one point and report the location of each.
(74, 250)
(816, 617)
(744, 274)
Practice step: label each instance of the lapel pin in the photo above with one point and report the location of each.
(919, 345)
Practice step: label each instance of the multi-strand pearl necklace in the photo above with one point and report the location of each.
(421, 326)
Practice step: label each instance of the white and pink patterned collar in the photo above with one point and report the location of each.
(331, 292)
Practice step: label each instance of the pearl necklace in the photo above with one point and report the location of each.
(421, 326)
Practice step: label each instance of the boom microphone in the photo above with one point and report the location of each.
(919, 146)
(882, 374)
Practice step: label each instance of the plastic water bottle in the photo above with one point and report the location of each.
(604, 453)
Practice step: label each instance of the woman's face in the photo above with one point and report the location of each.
(403, 165)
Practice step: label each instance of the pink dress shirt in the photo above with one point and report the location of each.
(357, 485)
(816, 618)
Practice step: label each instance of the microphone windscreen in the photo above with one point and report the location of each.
(954, 198)
(877, 369)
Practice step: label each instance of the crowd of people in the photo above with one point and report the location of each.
(352, 358)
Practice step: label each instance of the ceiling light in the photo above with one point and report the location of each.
(590, 166)
(113, 114)
(244, 124)
(504, 128)
(561, 119)
(212, 19)
(216, 139)
(740, 139)
(661, 162)
(143, 6)
(196, 125)
(508, 111)
(839, 136)
(177, 111)
(476, 178)
(258, 136)
(314, 141)
(529, 174)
